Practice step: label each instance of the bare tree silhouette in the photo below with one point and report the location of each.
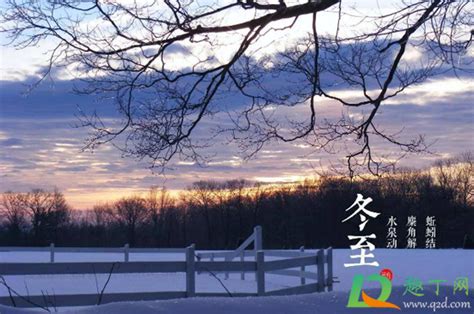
(158, 203)
(130, 213)
(13, 211)
(213, 214)
(172, 64)
(46, 211)
(457, 175)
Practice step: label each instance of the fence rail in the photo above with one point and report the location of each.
(125, 250)
(295, 264)
(11, 269)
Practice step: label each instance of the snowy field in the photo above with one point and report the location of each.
(423, 264)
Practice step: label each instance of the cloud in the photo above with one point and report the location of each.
(11, 142)
(435, 90)
(40, 148)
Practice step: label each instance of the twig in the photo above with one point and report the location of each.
(217, 278)
(49, 300)
(95, 278)
(11, 290)
(26, 289)
(10, 294)
(55, 302)
(45, 299)
(106, 283)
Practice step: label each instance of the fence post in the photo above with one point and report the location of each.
(190, 272)
(51, 253)
(257, 242)
(227, 273)
(320, 266)
(242, 274)
(303, 268)
(212, 260)
(330, 272)
(260, 273)
(126, 249)
(258, 238)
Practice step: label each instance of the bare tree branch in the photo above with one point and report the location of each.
(171, 66)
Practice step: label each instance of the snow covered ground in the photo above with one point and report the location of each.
(423, 264)
(322, 303)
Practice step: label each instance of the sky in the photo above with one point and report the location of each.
(41, 145)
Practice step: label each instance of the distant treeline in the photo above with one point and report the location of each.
(220, 215)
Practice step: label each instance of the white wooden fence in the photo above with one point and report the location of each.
(294, 263)
(255, 238)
